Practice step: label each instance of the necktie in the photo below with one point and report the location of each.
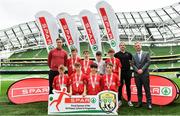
(139, 56)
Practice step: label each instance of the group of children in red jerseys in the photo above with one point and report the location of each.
(83, 77)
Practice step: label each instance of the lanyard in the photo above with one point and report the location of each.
(86, 65)
(99, 63)
(61, 81)
(93, 82)
(78, 79)
(109, 81)
(113, 62)
(73, 62)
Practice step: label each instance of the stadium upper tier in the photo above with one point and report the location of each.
(160, 27)
(155, 51)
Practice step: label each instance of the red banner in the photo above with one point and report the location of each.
(46, 32)
(106, 22)
(29, 90)
(163, 90)
(89, 30)
(66, 31)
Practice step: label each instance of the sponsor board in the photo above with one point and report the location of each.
(104, 103)
(28, 90)
(163, 90)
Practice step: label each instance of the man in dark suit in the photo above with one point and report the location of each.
(141, 62)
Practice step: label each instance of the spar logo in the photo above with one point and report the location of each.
(50, 47)
(30, 91)
(45, 29)
(72, 47)
(89, 31)
(93, 100)
(95, 47)
(113, 43)
(166, 91)
(77, 100)
(66, 31)
(106, 23)
(155, 90)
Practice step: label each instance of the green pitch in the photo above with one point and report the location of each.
(7, 108)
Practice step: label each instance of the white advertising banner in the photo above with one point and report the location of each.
(70, 30)
(110, 23)
(91, 27)
(48, 27)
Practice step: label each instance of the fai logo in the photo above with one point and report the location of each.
(107, 102)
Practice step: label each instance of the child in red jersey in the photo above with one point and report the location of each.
(93, 81)
(86, 63)
(62, 80)
(77, 81)
(110, 80)
(72, 60)
(115, 61)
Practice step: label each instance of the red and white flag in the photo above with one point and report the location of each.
(110, 23)
(48, 27)
(70, 30)
(91, 27)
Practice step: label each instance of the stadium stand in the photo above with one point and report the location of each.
(158, 30)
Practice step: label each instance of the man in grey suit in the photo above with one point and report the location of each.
(140, 64)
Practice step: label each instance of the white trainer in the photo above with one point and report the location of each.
(120, 103)
(130, 103)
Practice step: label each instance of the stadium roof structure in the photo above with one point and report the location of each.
(152, 27)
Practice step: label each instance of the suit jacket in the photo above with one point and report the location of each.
(142, 64)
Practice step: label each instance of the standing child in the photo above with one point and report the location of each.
(86, 63)
(72, 60)
(115, 62)
(101, 64)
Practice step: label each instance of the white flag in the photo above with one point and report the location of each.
(48, 27)
(110, 23)
(91, 27)
(69, 30)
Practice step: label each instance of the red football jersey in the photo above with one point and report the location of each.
(116, 64)
(110, 82)
(70, 65)
(77, 82)
(86, 66)
(60, 82)
(93, 84)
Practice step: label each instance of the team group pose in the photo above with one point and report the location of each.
(88, 77)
